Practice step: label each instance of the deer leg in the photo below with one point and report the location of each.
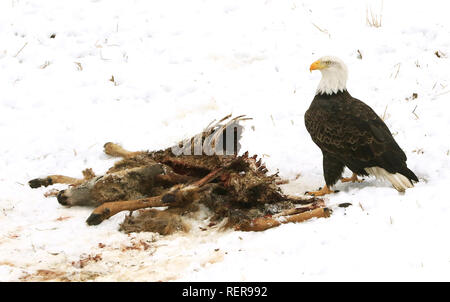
(61, 179)
(264, 223)
(177, 196)
(109, 209)
(116, 150)
(53, 179)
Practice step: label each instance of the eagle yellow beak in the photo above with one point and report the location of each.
(317, 65)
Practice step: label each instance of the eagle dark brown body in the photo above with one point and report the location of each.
(351, 134)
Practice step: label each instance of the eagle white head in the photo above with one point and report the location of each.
(334, 74)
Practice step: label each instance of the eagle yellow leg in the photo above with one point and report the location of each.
(354, 178)
(325, 190)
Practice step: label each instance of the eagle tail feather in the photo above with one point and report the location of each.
(399, 181)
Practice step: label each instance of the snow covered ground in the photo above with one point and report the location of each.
(177, 65)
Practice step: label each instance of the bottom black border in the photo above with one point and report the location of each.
(225, 290)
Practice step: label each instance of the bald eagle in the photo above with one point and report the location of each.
(350, 134)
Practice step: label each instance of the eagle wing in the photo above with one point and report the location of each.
(351, 131)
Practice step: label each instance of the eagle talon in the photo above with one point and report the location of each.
(322, 191)
(353, 179)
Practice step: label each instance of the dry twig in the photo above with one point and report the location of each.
(20, 50)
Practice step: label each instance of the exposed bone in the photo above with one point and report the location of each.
(210, 177)
(173, 178)
(213, 140)
(263, 223)
(219, 131)
(304, 200)
(211, 126)
(304, 208)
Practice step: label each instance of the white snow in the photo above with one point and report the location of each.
(177, 65)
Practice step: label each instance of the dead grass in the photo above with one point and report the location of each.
(384, 114)
(374, 18)
(396, 71)
(45, 275)
(323, 30)
(79, 67)
(20, 50)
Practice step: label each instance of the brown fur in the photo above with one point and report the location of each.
(234, 188)
(163, 222)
